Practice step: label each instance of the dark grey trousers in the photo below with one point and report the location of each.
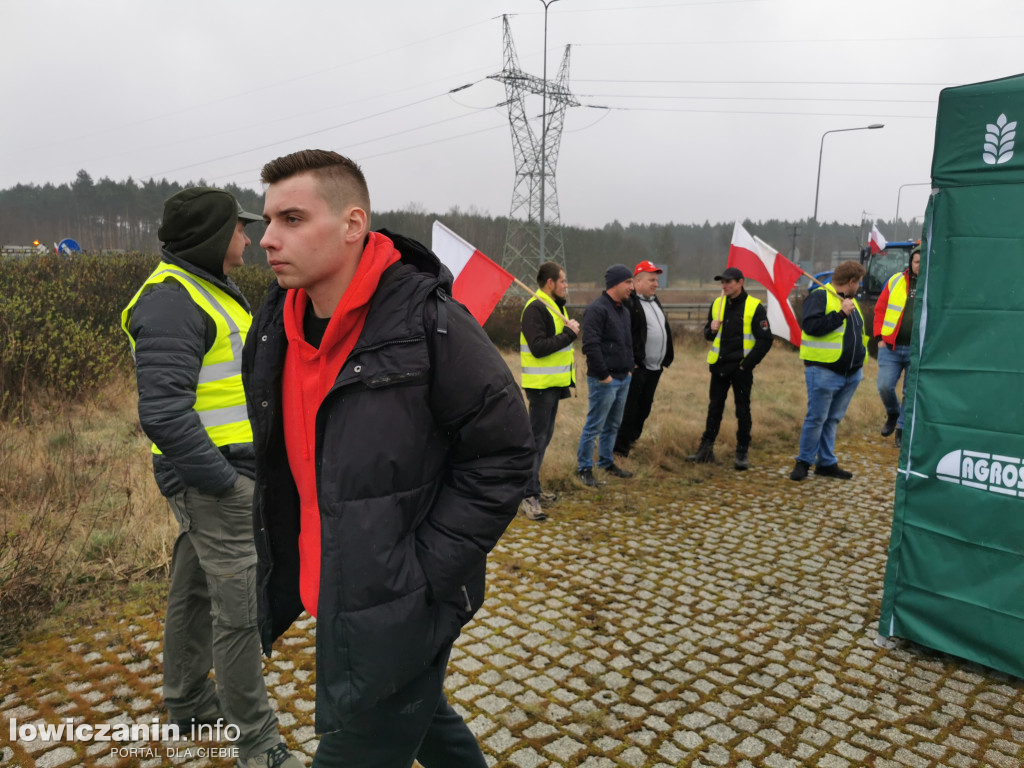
(211, 618)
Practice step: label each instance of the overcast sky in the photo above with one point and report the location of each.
(690, 111)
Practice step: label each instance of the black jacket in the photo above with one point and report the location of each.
(423, 452)
(638, 327)
(816, 322)
(538, 328)
(730, 351)
(607, 339)
(172, 335)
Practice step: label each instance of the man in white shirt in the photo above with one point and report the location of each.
(652, 353)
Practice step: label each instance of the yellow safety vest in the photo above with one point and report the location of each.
(718, 308)
(554, 370)
(894, 309)
(829, 348)
(220, 399)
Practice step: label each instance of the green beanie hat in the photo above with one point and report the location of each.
(198, 225)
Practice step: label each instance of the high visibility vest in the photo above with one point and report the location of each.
(829, 348)
(718, 312)
(894, 309)
(554, 370)
(220, 399)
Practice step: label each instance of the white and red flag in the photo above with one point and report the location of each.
(876, 242)
(479, 282)
(760, 262)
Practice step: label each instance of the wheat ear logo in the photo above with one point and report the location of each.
(999, 141)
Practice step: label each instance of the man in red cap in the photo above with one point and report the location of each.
(738, 328)
(652, 353)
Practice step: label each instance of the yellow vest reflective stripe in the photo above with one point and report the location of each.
(894, 309)
(829, 348)
(220, 399)
(718, 313)
(554, 370)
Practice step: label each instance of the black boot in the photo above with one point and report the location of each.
(899, 438)
(705, 453)
(741, 462)
(890, 423)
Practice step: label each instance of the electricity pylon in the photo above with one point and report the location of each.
(535, 195)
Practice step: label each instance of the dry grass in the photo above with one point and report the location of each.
(78, 504)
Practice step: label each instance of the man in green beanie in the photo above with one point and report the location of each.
(187, 325)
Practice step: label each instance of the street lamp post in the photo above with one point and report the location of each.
(896, 221)
(544, 128)
(817, 188)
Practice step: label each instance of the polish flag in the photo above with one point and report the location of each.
(479, 282)
(760, 262)
(876, 242)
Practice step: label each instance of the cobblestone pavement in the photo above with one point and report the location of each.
(703, 619)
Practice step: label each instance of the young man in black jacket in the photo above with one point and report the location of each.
(652, 353)
(608, 345)
(738, 328)
(392, 450)
(547, 357)
(187, 325)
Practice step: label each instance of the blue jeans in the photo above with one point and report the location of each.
(605, 403)
(828, 396)
(892, 361)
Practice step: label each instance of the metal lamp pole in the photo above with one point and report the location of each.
(896, 221)
(544, 129)
(817, 188)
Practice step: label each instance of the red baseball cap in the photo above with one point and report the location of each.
(646, 266)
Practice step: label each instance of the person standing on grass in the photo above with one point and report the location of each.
(894, 320)
(608, 346)
(833, 346)
(740, 337)
(652, 353)
(547, 357)
(187, 324)
(392, 451)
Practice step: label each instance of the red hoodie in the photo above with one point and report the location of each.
(309, 374)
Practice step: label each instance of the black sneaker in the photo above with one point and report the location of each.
(616, 470)
(833, 470)
(890, 423)
(799, 470)
(586, 477)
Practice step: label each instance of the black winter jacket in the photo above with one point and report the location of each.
(423, 453)
(607, 339)
(172, 335)
(638, 327)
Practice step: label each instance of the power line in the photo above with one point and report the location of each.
(753, 98)
(758, 112)
(760, 82)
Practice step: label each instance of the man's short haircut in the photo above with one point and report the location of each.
(847, 271)
(549, 270)
(341, 181)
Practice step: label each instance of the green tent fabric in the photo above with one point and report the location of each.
(955, 575)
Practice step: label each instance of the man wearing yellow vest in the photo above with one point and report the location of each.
(187, 325)
(833, 346)
(894, 319)
(740, 337)
(545, 350)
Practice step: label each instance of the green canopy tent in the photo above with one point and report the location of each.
(955, 576)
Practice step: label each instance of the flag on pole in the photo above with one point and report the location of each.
(876, 242)
(760, 262)
(479, 282)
